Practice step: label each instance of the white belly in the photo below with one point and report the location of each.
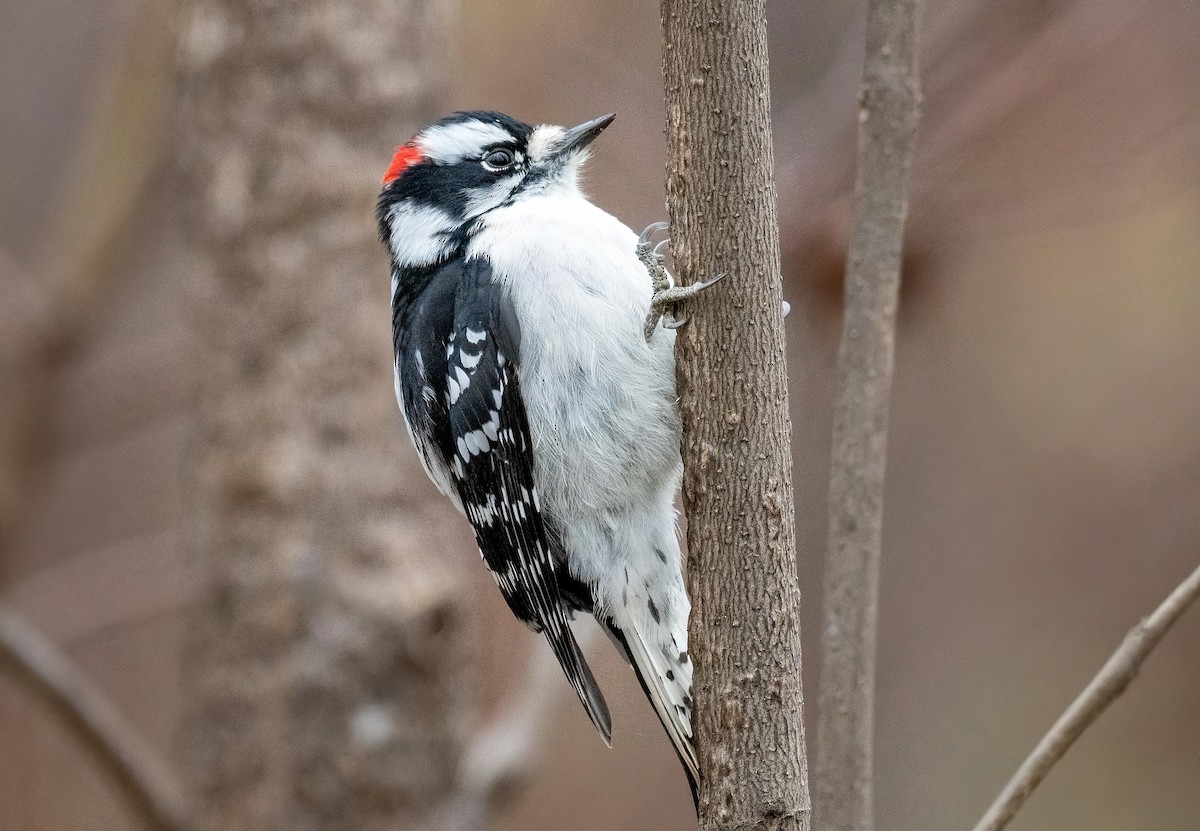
(601, 401)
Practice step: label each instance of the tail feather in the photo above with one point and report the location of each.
(575, 667)
(666, 677)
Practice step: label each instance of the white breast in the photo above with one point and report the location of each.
(600, 400)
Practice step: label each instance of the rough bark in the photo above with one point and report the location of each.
(326, 667)
(745, 631)
(888, 114)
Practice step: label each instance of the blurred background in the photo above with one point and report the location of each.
(207, 499)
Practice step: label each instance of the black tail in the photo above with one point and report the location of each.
(575, 667)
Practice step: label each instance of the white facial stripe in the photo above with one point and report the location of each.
(420, 234)
(451, 143)
(543, 141)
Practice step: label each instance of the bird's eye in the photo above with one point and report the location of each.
(498, 159)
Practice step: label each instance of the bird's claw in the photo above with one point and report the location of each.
(652, 255)
(649, 231)
(696, 288)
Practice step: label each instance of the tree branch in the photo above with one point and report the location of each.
(737, 489)
(52, 680)
(888, 115)
(1109, 683)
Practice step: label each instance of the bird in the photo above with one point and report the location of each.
(537, 384)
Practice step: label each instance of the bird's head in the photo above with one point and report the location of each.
(457, 169)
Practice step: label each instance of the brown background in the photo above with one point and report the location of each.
(1044, 471)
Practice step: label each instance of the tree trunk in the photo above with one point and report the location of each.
(28, 333)
(745, 631)
(327, 663)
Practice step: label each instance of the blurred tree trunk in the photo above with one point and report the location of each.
(737, 487)
(889, 107)
(27, 337)
(327, 666)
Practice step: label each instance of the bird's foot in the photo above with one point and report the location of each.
(666, 295)
(664, 302)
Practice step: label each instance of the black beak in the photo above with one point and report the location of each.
(580, 137)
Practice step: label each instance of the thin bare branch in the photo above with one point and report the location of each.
(888, 115)
(54, 682)
(1110, 682)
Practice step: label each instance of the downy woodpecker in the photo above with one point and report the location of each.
(536, 401)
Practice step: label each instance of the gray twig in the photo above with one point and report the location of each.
(53, 681)
(1110, 682)
(888, 115)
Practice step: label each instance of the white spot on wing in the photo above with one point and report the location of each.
(491, 426)
(476, 442)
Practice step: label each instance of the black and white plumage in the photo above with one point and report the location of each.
(535, 400)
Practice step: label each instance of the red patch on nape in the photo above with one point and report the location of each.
(406, 155)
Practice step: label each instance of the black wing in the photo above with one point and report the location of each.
(481, 431)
